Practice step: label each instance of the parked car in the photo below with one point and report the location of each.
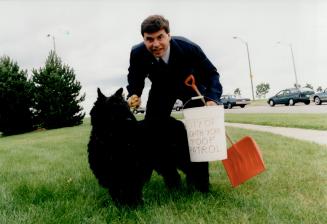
(177, 106)
(320, 97)
(229, 101)
(291, 96)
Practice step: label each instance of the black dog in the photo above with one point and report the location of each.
(123, 152)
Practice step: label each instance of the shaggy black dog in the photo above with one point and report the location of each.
(123, 152)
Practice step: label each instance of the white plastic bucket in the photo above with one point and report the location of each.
(206, 133)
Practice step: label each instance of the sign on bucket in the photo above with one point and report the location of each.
(206, 133)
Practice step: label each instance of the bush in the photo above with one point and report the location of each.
(16, 98)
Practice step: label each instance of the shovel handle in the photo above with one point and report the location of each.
(234, 145)
(229, 139)
(190, 81)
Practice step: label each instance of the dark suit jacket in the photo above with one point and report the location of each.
(168, 80)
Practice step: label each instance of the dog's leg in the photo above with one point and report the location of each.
(130, 196)
(198, 176)
(170, 175)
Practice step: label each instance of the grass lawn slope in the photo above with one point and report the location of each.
(306, 121)
(45, 178)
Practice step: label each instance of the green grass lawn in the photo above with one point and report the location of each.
(307, 121)
(45, 178)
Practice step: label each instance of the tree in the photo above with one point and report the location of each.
(57, 95)
(16, 98)
(307, 85)
(319, 89)
(237, 91)
(262, 89)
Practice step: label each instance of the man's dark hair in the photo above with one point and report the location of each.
(154, 23)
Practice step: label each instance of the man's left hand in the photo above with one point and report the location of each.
(211, 103)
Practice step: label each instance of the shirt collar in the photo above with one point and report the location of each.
(165, 57)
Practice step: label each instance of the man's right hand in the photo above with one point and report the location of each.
(134, 101)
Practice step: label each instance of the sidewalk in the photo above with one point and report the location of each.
(316, 136)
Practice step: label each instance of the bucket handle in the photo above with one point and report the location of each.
(200, 98)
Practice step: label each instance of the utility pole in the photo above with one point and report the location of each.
(53, 41)
(248, 53)
(293, 61)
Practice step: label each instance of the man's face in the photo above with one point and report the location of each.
(157, 43)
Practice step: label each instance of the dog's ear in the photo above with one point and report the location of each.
(100, 94)
(119, 92)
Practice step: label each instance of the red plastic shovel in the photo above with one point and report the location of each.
(244, 158)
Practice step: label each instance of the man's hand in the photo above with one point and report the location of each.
(134, 101)
(211, 103)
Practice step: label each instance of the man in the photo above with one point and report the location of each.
(167, 61)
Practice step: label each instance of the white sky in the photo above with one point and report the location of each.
(95, 38)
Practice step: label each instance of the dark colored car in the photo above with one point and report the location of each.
(291, 96)
(230, 101)
(320, 97)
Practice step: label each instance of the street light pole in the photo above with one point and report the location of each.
(247, 50)
(294, 69)
(53, 41)
(293, 61)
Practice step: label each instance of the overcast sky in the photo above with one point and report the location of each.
(95, 38)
